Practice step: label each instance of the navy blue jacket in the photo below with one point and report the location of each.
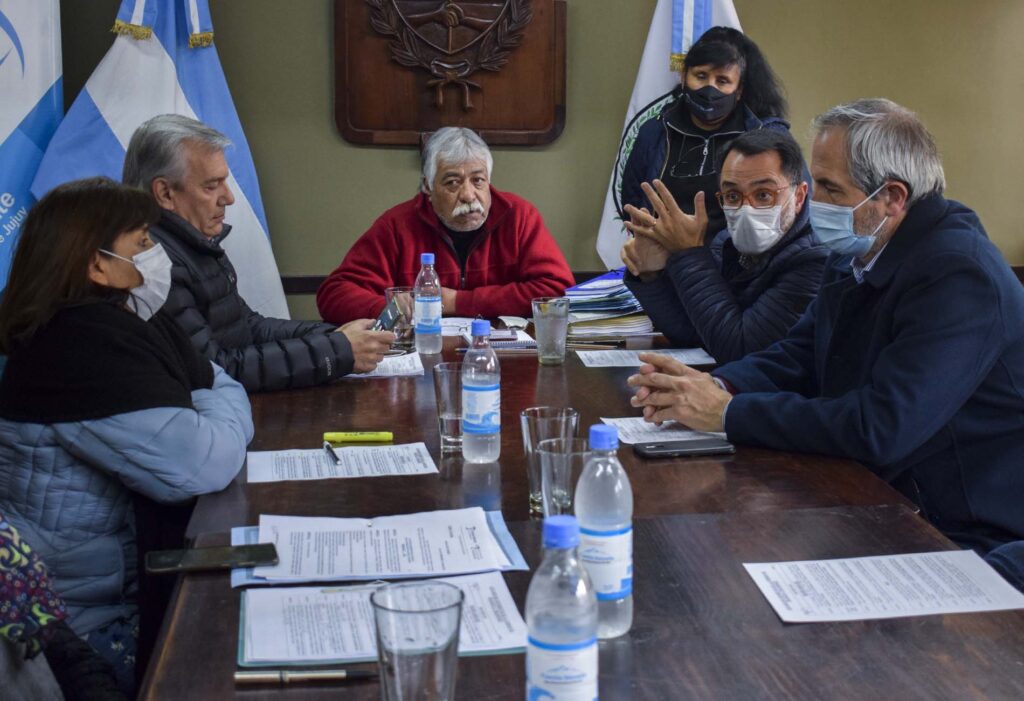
(705, 298)
(648, 157)
(918, 373)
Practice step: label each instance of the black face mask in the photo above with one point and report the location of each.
(709, 104)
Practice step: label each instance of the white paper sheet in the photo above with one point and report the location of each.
(430, 543)
(407, 365)
(356, 461)
(888, 586)
(631, 358)
(633, 429)
(297, 625)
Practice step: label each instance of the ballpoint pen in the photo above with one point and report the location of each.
(284, 676)
(329, 449)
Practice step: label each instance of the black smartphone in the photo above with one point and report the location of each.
(675, 449)
(221, 558)
(389, 316)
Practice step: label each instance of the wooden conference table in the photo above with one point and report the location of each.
(701, 627)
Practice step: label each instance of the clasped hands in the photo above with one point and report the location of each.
(668, 390)
(667, 231)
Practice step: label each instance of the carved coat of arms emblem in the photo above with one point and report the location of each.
(451, 40)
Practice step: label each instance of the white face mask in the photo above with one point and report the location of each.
(155, 268)
(754, 231)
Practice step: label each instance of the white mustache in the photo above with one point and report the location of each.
(467, 207)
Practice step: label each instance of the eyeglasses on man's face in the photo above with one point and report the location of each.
(758, 198)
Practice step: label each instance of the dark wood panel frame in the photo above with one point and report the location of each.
(380, 102)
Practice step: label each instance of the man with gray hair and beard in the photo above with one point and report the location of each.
(910, 360)
(180, 163)
(493, 253)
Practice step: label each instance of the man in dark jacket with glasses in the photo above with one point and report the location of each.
(747, 288)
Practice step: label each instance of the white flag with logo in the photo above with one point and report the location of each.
(676, 25)
(163, 61)
(31, 106)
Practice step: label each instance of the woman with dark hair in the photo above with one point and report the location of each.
(103, 398)
(727, 88)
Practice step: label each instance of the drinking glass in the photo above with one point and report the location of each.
(540, 423)
(417, 639)
(550, 324)
(561, 463)
(448, 391)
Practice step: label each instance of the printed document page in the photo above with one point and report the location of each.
(356, 461)
(633, 429)
(299, 625)
(407, 365)
(888, 586)
(430, 543)
(631, 358)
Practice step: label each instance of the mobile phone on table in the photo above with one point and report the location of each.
(389, 316)
(219, 558)
(676, 449)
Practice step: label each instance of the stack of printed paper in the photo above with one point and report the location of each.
(427, 544)
(304, 625)
(605, 306)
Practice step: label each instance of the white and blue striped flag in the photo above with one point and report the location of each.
(163, 61)
(675, 26)
(31, 105)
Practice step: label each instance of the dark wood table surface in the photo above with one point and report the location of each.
(752, 479)
(702, 629)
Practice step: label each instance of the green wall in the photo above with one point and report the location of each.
(955, 65)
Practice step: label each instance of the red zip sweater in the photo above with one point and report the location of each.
(512, 261)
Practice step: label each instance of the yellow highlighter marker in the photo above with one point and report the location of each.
(359, 436)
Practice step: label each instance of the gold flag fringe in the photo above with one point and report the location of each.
(135, 31)
(201, 40)
(675, 61)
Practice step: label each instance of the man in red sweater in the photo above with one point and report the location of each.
(493, 252)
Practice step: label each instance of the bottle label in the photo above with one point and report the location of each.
(561, 672)
(481, 409)
(427, 313)
(608, 557)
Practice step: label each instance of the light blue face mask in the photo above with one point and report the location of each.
(833, 224)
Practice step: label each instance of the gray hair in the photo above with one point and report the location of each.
(885, 141)
(155, 149)
(453, 145)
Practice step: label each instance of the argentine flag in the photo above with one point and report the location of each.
(163, 61)
(676, 25)
(31, 105)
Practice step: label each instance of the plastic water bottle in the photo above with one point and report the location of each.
(481, 398)
(604, 507)
(561, 616)
(427, 307)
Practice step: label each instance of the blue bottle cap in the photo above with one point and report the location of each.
(561, 532)
(481, 327)
(426, 259)
(604, 437)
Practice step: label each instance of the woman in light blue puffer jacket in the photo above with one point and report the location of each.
(102, 397)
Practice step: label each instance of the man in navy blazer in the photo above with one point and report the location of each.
(910, 360)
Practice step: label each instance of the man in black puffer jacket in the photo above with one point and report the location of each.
(180, 162)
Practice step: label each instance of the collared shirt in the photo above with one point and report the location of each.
(860, 269)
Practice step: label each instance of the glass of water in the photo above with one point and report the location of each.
(550, 324)
(448, 392)
(417, 639)
(561, 463)
(540, 423)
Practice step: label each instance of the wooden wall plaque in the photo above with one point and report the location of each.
(407, 67)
